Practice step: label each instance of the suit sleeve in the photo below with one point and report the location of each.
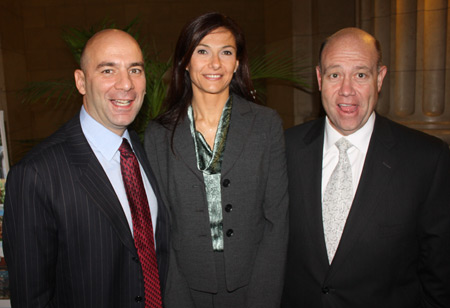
(267, 278)
(434, 236)
(30, 240)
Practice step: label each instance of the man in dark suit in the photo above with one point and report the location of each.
(69, 225)
(369, 198)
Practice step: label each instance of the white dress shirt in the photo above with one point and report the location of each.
(105, 145)
(356, 154)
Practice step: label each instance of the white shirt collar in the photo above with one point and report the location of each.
(105, 141)
(360, 139)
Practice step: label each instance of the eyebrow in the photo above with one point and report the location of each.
(226, 46)
(113, 64)
(363, 67)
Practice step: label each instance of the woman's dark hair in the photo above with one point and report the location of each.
(180, 89)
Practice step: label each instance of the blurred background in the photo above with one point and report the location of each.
(414, 34)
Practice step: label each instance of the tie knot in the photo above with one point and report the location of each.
(343, 145)
(125, 148)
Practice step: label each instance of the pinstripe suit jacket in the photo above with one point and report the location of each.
(66, 239)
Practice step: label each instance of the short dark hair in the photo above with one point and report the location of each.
(180, 89)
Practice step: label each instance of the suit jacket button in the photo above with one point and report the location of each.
(228, 208)
(226, 183)
(325, 290)
(230, 232)
(138, 299)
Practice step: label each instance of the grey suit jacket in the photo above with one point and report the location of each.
(254, 202)
(395, 248)
(66, 239)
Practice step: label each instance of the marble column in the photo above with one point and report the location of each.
(435, 32)
(405, 58)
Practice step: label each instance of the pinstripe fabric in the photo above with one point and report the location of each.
(66, 239)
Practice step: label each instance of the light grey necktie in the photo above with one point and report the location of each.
(337, 199)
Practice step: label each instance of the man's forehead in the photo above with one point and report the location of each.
(112, 41)
(114, 54)
(357, 54)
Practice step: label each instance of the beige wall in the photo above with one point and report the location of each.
(415, 39)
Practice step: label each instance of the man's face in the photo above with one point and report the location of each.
(112, 80)
(349, 81)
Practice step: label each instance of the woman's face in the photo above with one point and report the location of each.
(213, 63)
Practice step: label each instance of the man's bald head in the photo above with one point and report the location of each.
(352, 33)
(98, 38)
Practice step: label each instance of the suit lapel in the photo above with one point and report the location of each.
(183, 143)
(377, 171)
(240, 127)
(140, 153)
(162, 226)
(310, 173)
(241, 121)
(93, 179)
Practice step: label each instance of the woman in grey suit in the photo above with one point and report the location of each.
(219, 159)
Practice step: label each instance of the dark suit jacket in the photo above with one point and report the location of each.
(395, 248)
(254, 200)
(66, 239)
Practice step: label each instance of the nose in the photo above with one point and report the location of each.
(215, 61)
(124, 81)
(347, 88)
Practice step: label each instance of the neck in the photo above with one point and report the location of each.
(208, 108)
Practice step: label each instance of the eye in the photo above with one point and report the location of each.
(136, 71)
(334, 75)
(202, 51)
(228, 52)
(107, 71)
(361, 75)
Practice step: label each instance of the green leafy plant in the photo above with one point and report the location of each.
(275, 65)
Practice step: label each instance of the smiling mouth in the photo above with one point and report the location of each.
(121, 102)
(213, 76)
(348, 108)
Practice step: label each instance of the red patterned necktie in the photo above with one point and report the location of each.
(142, 224)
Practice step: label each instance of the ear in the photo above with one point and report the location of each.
(381, 74)
(236, 66)
(80, 81)
(319, 77)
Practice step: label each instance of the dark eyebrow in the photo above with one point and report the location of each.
(141, 64)
(363, 68)
(103, 64)
(223, 47)
(113, 64)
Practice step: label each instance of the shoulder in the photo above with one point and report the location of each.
(263, 115)
(51, 153)
(155, 128)
(53, 144)
(240, 102)
(307, 130)
(407, 138)
(156, 135)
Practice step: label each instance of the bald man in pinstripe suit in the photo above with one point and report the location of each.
(68, 233)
